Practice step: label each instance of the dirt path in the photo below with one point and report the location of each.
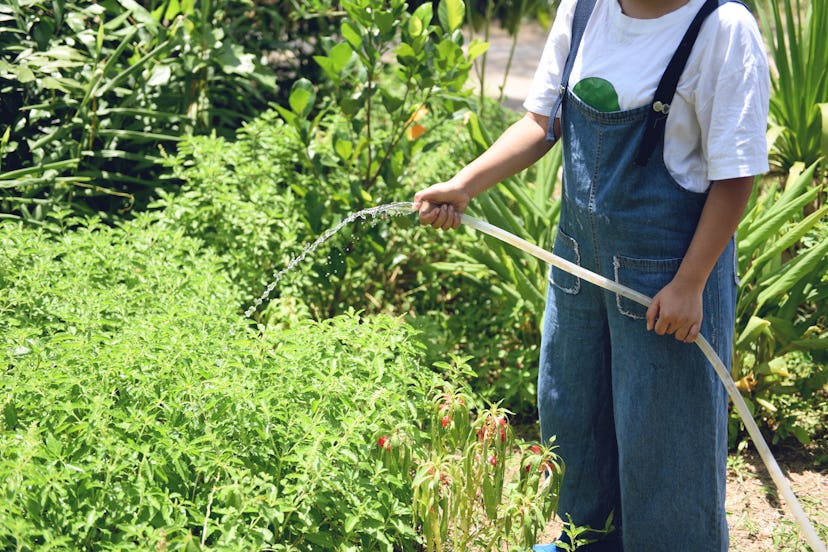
(528, 51)
(757, 516)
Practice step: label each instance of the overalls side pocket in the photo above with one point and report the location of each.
(566, 248)
(647, 276)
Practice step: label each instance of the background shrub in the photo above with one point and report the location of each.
(93, 93)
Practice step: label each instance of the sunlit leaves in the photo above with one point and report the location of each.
(451, 14)
(135, 411)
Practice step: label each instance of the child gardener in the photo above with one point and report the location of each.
(662, 107)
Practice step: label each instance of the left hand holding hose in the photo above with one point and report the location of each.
(440, 205)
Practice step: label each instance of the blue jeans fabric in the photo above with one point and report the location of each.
(640, 419)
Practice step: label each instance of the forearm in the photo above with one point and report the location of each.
(521, 145)
(719, 219)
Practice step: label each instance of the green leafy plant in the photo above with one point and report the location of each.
(238, 198)
(376, 111)
(463, 495)
(136, 412)
(783, 259)
(527, 206)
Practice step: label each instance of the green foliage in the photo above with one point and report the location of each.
(137, 413)
(239, 198)
(524, 205)
(797, 37)
(464, 493)
(783, 259)
(394, 76)
(91, 92)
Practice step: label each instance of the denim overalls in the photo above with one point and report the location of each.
(640, 419)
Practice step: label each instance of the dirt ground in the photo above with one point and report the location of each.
(757, 516)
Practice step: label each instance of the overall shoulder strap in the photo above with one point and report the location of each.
(657, 116)
(583, 10)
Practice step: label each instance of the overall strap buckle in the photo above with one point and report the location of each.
(657, 116)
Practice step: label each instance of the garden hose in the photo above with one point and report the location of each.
(778, 477)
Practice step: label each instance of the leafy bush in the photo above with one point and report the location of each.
(391, 78)
(256, 204)
(464, 494)
(239, 198)
(797, 37)
(137, 413)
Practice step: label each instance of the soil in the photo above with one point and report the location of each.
(757, 516)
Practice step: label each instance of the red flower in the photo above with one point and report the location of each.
(535, 448)
(445, 421)
(384, 442)
(493, 460)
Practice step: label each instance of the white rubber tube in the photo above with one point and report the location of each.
(791, 501)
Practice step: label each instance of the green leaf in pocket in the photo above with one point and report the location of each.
(598, 93)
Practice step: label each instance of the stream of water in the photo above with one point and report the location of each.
(372, 215)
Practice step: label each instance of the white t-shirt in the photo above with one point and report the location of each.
(718, 117)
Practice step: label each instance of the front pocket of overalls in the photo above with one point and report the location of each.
(647, 276)
(566, 248)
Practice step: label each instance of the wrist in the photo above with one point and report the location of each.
(463, 184)
(692, 280)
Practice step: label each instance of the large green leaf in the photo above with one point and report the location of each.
(754, 327)
(801, 267)
(451, 14)
(302, 97)
(791, 237)
(778, 212)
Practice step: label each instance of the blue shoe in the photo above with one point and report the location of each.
(544, 548)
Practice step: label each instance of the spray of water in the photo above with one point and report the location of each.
(372, 214)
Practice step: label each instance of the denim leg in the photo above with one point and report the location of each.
(671, 422)
(575, 402)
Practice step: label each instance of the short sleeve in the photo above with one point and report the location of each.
(546, 84)
(733, 103)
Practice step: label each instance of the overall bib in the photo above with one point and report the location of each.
(640, 419)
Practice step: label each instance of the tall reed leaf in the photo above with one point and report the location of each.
(797, 37)
(783, 256)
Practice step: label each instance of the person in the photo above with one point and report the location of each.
(661, 107)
